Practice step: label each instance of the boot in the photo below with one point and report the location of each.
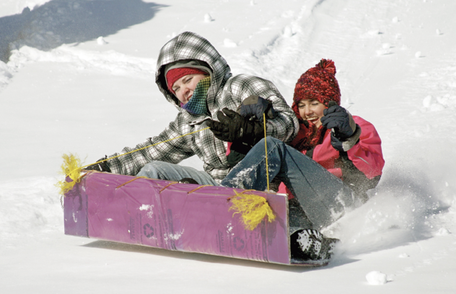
(311, 245)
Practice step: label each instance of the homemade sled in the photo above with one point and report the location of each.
(174, 216)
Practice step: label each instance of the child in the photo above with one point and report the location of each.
(196, 79)
(331, 163)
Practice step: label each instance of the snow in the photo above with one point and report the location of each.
(376, 278)
(77, 76)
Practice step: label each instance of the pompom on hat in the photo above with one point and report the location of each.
(318, 83)
(176, 73)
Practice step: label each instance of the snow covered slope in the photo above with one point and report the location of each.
(77, 76)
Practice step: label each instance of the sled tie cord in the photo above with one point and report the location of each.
(253, 208)
(266, 152)
(71, 166)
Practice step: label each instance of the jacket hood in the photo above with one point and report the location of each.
(191, 48)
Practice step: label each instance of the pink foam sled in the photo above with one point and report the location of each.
(173, 216)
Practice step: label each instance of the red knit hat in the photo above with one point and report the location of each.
(176, 73)
(318, 83)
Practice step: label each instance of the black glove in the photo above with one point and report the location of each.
(238, 150)
(342, 124)
(256, 106)
(340, 120)
(100, 165)
(233, 127)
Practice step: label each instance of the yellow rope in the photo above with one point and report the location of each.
(128, 182)
(172, 183)
(72, 168)
(266, 151)
(197, 188)
(253, 208)
(106, 159)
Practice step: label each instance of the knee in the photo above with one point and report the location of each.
(149, 170)
(269, 140)
(272, 142)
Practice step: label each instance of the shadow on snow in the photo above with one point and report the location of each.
(60, 22)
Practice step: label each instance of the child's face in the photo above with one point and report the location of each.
(183, 88)
(311, 110)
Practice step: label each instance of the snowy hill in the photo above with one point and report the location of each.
(77, 76)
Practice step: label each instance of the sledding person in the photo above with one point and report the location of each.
(331, 163)
(196, 79)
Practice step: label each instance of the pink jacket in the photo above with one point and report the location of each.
(366, 155)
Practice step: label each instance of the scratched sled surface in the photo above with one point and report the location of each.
(182, 217)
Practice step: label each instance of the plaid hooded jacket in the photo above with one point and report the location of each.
(224, 91)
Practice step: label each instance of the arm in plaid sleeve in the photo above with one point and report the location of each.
(173, 151)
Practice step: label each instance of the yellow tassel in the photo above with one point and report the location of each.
(253, 209)
(71, 167)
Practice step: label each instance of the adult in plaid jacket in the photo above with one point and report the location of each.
(225, 91)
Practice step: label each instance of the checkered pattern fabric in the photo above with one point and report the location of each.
(224, 91)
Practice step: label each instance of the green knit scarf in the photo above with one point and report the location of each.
(198, 104)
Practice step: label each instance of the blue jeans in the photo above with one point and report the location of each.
(173, 172)
(323, 196)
